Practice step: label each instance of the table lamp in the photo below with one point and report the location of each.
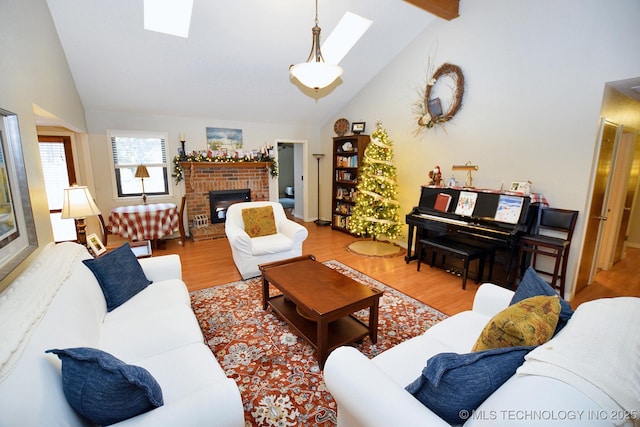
(142, 172)
(78, 204)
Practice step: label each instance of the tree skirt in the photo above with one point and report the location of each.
(375, 248)
(276, 371)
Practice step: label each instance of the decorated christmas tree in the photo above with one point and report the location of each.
(376, 211)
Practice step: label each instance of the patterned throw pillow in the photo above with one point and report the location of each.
(531, 285)
(531, 321)
(259, 221)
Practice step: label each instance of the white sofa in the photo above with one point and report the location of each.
(249, 252)
(57, 303)
(602, 336)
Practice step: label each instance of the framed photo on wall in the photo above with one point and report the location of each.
(17, 226)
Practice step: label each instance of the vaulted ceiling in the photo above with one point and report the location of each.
(234, 64)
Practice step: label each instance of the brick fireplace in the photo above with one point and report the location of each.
(202, 177)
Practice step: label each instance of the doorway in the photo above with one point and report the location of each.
(58, 168)
(291, 172)
(623, 193)
(614, 190)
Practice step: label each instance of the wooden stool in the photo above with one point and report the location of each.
(448, 245)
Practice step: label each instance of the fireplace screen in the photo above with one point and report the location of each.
(221, 200)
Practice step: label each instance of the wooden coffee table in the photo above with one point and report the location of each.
(318, 303)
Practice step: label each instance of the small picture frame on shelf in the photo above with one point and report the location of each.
(357, 127)
(521, 186)
(96, 245)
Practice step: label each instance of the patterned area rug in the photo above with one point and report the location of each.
(276, 371)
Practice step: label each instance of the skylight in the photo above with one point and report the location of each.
(168, 16)
(346, 34)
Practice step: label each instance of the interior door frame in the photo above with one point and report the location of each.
(623, 191)
(300, 171)
(588, 265)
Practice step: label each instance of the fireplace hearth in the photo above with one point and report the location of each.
(219, 202)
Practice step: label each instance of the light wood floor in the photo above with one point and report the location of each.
(209, 263)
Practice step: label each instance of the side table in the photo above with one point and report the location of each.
(140, 248)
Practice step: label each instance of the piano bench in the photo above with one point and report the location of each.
(447, 245)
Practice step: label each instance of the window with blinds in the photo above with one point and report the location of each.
(131, 149)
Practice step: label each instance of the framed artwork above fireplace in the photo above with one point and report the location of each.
(223, 139)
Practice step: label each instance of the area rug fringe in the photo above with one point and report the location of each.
(276, 371)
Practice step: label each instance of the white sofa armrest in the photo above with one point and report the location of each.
(491, 299)
(366, 396)
(238, 239)
(217, 405)
(163, 267)
(293, 230)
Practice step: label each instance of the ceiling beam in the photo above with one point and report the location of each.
(445, 9)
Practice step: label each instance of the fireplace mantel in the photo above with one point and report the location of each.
(226, 164)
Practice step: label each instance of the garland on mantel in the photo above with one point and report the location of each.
(178, 171)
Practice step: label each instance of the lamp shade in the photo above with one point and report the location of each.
(78, 203)
(142, 172)
(315, 74)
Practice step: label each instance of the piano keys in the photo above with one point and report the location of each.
(481, 216)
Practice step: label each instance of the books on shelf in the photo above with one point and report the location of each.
(347, 161)
(466, 203)
(443, 200)
(342, 175)
(509, 208)
(341, 221)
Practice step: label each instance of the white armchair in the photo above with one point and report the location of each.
(249, 252)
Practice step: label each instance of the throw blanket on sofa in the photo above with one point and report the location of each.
(25, 301)
(598, 352)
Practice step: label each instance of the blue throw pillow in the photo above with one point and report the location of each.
(452, 385)
(119, 274)
(533, 285)
(103, 389)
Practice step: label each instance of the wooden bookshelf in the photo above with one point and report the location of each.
(348, 152)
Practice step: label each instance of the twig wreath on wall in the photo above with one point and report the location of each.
(439, 102)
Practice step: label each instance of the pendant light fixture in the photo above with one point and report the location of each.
(315, 73)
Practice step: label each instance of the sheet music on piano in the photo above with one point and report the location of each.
(466, 203)
(443, 200)
(509, 209)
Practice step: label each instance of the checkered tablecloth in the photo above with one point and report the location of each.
(144, 222)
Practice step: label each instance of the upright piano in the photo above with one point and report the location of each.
(485, 216)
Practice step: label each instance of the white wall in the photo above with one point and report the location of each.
(34, 70)
(535, 75)
(254, 135)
